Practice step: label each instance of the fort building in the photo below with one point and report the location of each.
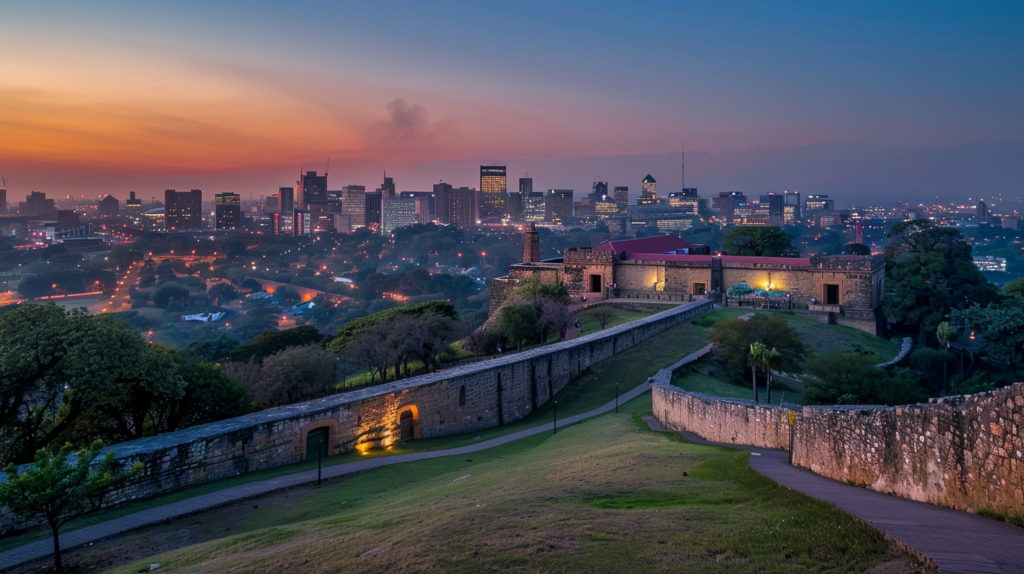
(837, 289)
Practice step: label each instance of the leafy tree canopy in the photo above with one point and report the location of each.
(355, 328)
(759, 241)
(732, 340)
(838, 378)
(270, 342)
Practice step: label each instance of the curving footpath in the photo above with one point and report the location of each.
(76, 538)
(955, 541)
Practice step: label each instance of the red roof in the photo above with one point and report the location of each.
(659, 244)
(748, 260)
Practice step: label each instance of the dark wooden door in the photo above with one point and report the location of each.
(316, 442)
(405, 426)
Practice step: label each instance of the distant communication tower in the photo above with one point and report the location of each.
(682, 165)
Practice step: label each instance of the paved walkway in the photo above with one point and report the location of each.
(955, 541)
(149, 517)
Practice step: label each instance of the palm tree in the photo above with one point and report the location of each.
(755, 360)
(946, 333)
(764, 359)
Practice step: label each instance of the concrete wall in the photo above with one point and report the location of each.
(964, 452)
(463, 399)
(961, 452)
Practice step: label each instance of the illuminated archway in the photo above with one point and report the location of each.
(408, 423)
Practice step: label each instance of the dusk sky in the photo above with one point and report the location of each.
(103, 97)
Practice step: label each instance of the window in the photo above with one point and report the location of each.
(831, 294)
(595, 283)
(462, 396)
(700, 288)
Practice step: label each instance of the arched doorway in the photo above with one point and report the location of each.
(317, 443)
(406, 425)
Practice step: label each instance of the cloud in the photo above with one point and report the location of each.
(408, 127)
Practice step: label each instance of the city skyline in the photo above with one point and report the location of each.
(217, 98)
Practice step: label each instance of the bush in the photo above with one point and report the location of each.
(168, 293)
(838, 378)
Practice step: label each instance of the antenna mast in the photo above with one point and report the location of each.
(682, 165)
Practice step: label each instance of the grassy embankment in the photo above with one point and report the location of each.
(816, 337)
(606, 496)
(593, 389)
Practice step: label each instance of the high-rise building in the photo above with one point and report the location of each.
(388, 187)
(312, 188)
(373, 212)
(426, 206)
(183, 209)
(36, 204)
(533, 207)
(514, 205)
(353, 205)
(727, 202)
(982, 209)
(690, 192)
(774, 203)
(108, 207)
(689, 203)
(648, 191)
(526, 186)
(621, 197)
(558, 204)
(493, 193)
(456, 206)
(133, 205)
(398, 213)
(227, 209)
(286, 199)
(3, 200)
(302, 223)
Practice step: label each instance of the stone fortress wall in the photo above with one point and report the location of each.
(964, 452)
(460, 400)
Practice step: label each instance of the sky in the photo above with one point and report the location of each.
(103, 97)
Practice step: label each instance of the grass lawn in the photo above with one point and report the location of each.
(606, 496)
(618, 317)
(819, 337)
(595, 388)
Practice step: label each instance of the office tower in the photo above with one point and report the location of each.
(774, 203)
(816, 207)
(533, 207)
(109, 206)
(373, 211)
(727, 202)
(648, 191)
(36, 204)
(133, 205)
(690, 192)
(599, 191)
(3, 200)
(689, 203)
(227, 209)
(531, 244)
(982, 209)
(514, 206)
(302, 223)
(398, 213)
(456, 206)
(286, 200)
(492, 191)
(621, 196)
(353, 205)
(388, 187)
(557, 204)
(183, 210)
(526, 186)
(426, 204)
(272, 204)
(312, 188)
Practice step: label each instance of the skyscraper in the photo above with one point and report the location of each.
(353, 205)
(228, 210)
(982, 210)
(133, 205)
(727, 202)
(312, 188)
(514, 205)
(533, 206)
(183, 209)
(622, 197)
(286, 200)
(557, 204)
(456, 206)
(388, 187)
(373, 213)
(398, 212)
(526, 186)
(648, 191)
(493, 193)
(3, 200)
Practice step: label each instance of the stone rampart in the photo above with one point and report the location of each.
(964, 452)
(463, 399)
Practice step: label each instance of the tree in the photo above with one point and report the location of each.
(556, 316)
(211, 395)
(1014, 288)
(837, 378)
(370, 350)
(732, 340)
(296, 374)
(271, 342)
(223, 292)
(428, 337)
(212, 350)
(932, 273)
(945, 333)
(764, 359)
(858, 249)
(997, 331)
(59, 491)
(168, 293)
(603, 315)
(518, 322)
(759, 241)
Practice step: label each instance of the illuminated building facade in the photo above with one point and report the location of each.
(648, 191)
(456, 205)
(398, 213)
(353, 205)
(227, 209)
(621, 197)
(183, 210)
(493, 191)
(558, 204)
(312, 188)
